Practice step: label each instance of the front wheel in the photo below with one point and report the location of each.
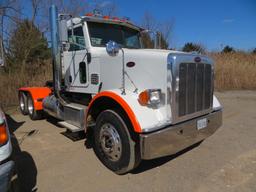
(113, 144)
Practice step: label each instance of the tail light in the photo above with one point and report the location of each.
(3, 130)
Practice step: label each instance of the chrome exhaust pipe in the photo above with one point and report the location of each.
(56, 52)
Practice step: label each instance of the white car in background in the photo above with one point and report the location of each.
(6, 164)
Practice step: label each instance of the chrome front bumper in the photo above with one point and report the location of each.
(177, 137)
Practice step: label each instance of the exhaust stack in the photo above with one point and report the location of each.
(56, 52)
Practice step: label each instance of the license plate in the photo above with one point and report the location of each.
(202, 123)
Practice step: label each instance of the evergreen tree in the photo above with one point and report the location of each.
(190, 47)
(27, 46)
(228, 49)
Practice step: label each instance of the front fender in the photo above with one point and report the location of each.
(143, 118)
(149, 118)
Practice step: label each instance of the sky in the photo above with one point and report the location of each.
(212, 23)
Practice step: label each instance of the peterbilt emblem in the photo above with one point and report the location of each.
(130, 64)
(197, 59)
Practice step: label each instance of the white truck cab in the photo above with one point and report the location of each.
(138, 103)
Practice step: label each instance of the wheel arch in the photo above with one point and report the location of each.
(109, 100)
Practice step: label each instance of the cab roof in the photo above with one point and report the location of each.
(104, 19)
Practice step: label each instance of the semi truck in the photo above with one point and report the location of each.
(136, 103)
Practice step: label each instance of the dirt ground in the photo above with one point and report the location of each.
(48, 161)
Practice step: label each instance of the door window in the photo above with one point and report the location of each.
(77, 41)
(82, 72)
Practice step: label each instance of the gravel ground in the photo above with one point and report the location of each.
(48, 161)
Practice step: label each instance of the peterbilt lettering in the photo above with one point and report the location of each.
(136, 103)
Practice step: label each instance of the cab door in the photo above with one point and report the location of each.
(75, 60)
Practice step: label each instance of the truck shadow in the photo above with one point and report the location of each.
(53, 121)
(146, 165)
(25, 166)
(76, 136)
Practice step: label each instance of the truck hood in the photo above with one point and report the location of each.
(150, 70)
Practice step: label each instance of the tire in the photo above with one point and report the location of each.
(14, 184)
(23, 103)
(113, 144)
(32, 112)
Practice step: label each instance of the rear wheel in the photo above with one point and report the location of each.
(23, 103)
(33, 113)
(113, 144)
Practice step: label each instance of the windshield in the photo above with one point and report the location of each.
(102, 33)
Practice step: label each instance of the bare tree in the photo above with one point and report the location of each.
(72, 7)
(149, 22)
(164, 28)
(105, 7)
(9, 14)
(35, 4)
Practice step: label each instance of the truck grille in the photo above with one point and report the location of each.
(195, 88)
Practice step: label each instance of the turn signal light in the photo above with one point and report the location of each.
(144, 98)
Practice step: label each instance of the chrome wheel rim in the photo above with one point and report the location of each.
(110, 142)
(22, 103)
(30, 106)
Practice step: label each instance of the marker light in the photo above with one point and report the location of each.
(89, 14)
(115, 19)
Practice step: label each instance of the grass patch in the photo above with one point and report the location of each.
(234, 71)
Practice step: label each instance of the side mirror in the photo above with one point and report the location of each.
(112, 48)
(63, 29)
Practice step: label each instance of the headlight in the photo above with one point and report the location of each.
(3, 129)
(150, 97)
